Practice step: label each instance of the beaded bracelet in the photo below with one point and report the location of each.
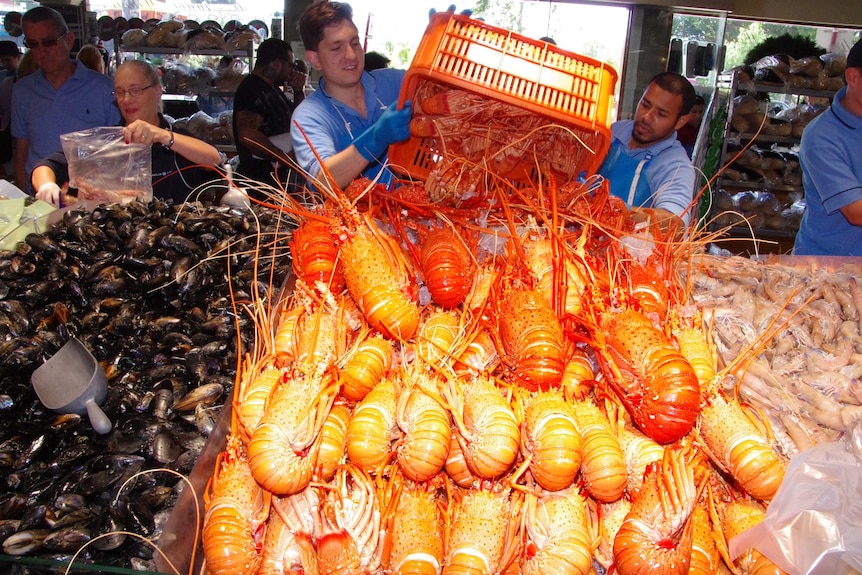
(170, 144)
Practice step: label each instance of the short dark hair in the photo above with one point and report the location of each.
(46, 14)
(9, 48)
(678, 85)
(270, 50)
(375, 61)
(854, 56)
(317, 17)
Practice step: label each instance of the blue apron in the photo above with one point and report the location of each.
(627, 175)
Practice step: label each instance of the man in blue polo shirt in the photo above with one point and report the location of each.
(62, 96)
(351, 120)
(831, 158)
(646, 165)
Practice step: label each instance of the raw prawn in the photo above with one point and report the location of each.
(550, 441)
(314, 250)
(424, 448)
(487, 428)
(350, 540)
(603, 466)
(482, 532)
(656, 535)
(559, 538)
(377, 277)
(235, 515)
(372, 427)
(649, 375)
(283, 448)
(365, 366)
(532, 337)
(447, 267)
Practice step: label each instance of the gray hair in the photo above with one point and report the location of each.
(144, 68)
(46, 14)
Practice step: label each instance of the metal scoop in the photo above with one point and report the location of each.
(72, 381)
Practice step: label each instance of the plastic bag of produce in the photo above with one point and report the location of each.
(104, 168)
(814, 523)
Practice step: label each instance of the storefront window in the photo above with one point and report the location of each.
(574, 27)
(739, 37)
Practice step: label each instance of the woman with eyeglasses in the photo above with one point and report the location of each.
(180, 161)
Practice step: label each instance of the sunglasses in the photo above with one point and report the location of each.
(49, 43)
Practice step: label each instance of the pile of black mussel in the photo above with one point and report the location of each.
(149, 288)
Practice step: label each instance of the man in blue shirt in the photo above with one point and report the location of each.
(646, 165)
(831, 158)
(351, 120)
(62, 96)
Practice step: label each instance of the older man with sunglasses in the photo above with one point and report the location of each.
(63, 96)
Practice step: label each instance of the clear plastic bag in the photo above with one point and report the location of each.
(104, 168)
(813, 525)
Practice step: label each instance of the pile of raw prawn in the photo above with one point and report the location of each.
(806, 379)
(518, 389)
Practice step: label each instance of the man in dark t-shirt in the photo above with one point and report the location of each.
(262, 115)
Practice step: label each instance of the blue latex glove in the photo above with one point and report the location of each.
(451, 8)
(393, 126)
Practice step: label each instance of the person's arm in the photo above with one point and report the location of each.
(42, 175)
(49, 177)
(671, 179)
(669, 223)
(296, 82)
(249, 133)
(393, 126)
(826, 162)
(194, 150)
(853, 212)
(344, 166)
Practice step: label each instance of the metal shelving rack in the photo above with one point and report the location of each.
(728, 89)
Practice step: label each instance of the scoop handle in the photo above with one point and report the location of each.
(98, 419)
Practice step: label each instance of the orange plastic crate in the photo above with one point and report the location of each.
(564, 88)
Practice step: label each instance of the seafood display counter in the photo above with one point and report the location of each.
(804, 389)
(147, 289)
(517, 385)
(794, 322)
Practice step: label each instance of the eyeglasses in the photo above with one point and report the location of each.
(49, 43)
(131, 92)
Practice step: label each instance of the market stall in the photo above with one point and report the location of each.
(513, 376)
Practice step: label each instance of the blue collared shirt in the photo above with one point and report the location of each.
(670, 173)
(331, 126)
(831, 158)
(41, 113)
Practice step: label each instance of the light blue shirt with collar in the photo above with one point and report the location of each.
(41, 113)
(831, 158)
(331, 126)
(670, 172)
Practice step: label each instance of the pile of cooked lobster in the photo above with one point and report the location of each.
(518, 389)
